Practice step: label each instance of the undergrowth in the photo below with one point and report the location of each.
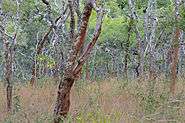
(107, 101)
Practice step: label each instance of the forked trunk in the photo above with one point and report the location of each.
(75, 63)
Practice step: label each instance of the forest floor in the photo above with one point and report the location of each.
(108, 101)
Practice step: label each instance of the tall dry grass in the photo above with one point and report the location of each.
(108, 101)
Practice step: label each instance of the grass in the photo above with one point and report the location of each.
(108, 101)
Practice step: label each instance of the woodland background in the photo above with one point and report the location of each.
(134, 73)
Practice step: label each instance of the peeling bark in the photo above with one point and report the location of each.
(74, 66)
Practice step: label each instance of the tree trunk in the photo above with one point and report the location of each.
(87, 75)
(39, 48)
(33, 77)
(9, 50)
(150, 36)
(74, 61)
(175, 58)
(8, 77)
(175, 50)
(127, 49)
(9, 54)
(56, 74)
(140, 42)
(42, 42)
(9, 97)
(63, 99)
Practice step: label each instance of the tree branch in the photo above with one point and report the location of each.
(90, 46)
(72, 20)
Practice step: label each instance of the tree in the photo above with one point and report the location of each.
(9, 43)
(152, 38)
(75, 63)
(140, 43)
(44, 39)
(9, 50)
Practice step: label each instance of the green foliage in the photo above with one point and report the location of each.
(9, 6)
(98, 117)
(114, 10)
(182, 18)
(109, 27)
(27, 8)
(10, 28)
(164, 3)
(16, 104)
(44, 58)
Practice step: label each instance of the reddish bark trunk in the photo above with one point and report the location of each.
(66, 83)
(9, 97)
(175, 58)
(74, 66)
(175, 50)
(63, 99)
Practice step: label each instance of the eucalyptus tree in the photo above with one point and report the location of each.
(9, 29)
(74, 61)
(53, 26)
(152, 19)
(140, 42)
